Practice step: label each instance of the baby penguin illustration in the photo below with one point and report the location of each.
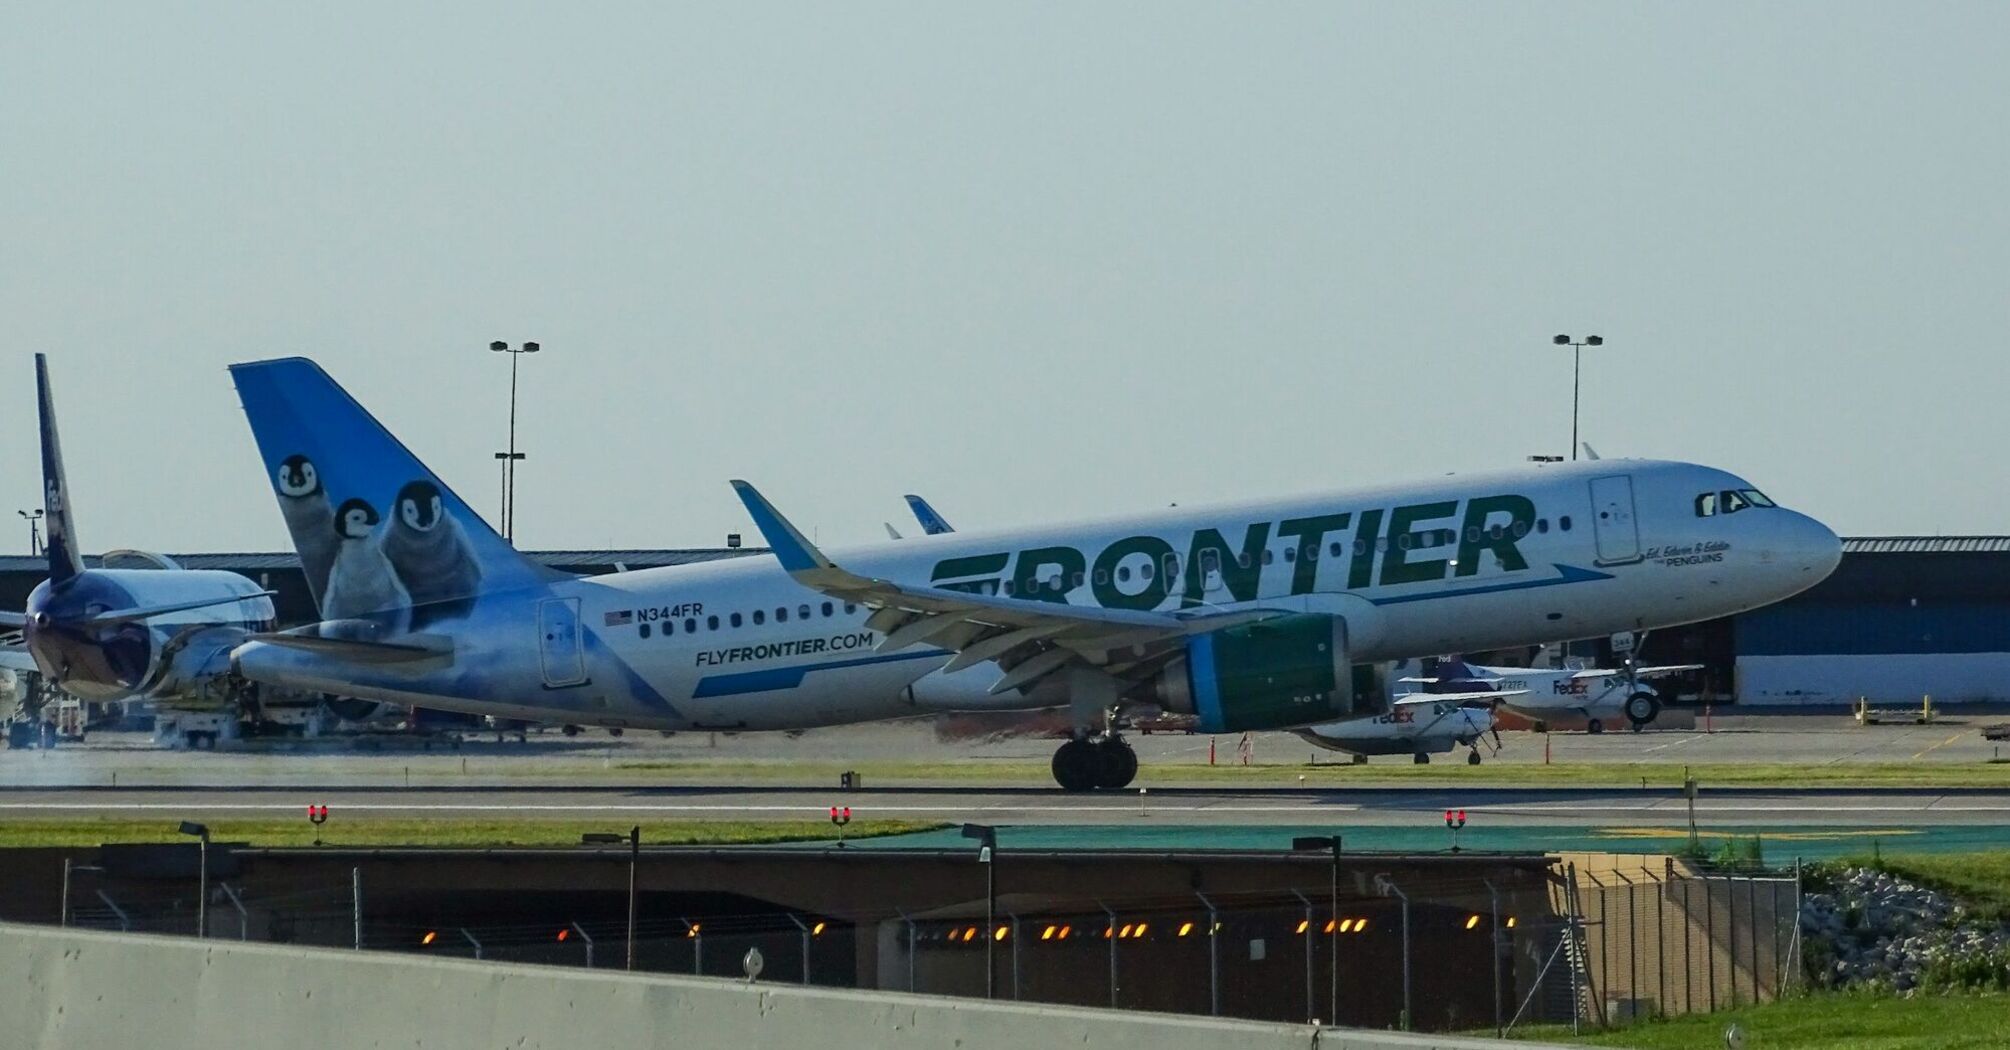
(362, 583)
(310, 519)
(432, 554)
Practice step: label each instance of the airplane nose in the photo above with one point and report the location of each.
(1814, 547)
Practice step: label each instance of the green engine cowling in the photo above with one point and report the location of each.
(1273, 674)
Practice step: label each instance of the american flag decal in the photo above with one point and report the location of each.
(620, 619)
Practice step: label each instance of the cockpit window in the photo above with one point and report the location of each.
(1756, 498)
(1706, 505)
(1732, 502)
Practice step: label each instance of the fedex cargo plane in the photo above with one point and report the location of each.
(1264, 615)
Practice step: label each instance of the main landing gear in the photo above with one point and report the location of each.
(1082, 764)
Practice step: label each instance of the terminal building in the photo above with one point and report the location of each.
(1901, 618)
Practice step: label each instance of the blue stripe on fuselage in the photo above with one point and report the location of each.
(791, 677)
(1206, 690)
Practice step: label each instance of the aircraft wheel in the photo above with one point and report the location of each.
(1642, 708)
(1118, 763)
(1472, 758)
(1594, 727)
(1421, 759)
(1077, 765)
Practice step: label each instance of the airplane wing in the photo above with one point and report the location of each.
(1031, 638)
(1433, 698)
(142, 612)
(1668, 669)
(13, 657)
(13, 621)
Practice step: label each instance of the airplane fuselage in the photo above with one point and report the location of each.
(1462, 562)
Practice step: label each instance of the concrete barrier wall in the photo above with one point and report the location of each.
(100, 991)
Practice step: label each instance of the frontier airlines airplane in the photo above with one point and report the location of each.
(1267, 615)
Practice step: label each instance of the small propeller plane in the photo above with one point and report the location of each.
(1599, 695)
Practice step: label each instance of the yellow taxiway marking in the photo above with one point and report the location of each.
(1938, 746)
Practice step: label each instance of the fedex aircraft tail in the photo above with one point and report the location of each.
(380, 537)
(60, 534)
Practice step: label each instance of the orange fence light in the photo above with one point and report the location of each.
(430, 936)
(1142, 927)
(1510, 922)
(1047, 934)
(1331, 924)
(563, 934)
(817, 930)
(1185, 928)
(1303, 925)
(1065, 931)
(1472, 921)
(1000, 932)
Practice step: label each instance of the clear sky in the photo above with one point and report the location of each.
(1031, 260)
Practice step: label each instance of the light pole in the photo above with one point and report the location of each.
(634, 840)
(1576, 365)
(987, 855)
(1329, 842)
(201, 901)
(34, 530)
(510, 458)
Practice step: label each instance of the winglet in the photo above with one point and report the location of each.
(795, 553)
(931, 523)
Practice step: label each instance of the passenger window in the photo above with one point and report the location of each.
(1242, 559)
(782, 614)
(1706, 505)
(827, 610)
(1210, 561)
(1102, 577)
(1124, 573)
(691, 625)
(1495, 532)
(1472, 534)
(643, 630)
(1078, 578)
(1382, 544)
(1172, 566)
(760, 617)
(711, 623)
(1008, 588)
(1290, 554)
(850, 608)
(1360, 545)
(1269, 556)
(1520, 529)
(1542, 525)
(1732, 502)
(1336, 548)
(1403, 542)
(1563, 523)
(1145, 571)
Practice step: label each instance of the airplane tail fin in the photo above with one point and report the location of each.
(59, 533)
(380, 536)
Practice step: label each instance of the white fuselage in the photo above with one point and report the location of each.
(1458, 563)
(1426, 728)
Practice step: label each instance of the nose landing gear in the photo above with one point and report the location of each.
(1082, 764)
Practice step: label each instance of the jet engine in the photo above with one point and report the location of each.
(1272, 674)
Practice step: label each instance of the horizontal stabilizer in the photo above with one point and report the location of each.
(408, 649)
(117, 616)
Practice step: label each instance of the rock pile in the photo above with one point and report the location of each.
(1880, 930)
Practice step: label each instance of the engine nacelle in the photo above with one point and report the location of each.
(196, 666)
(1273, 674)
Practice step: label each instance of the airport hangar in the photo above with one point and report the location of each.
(1902, 617)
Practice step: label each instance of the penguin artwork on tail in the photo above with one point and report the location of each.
(361, 583)
(431, 554)
(310, 519)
